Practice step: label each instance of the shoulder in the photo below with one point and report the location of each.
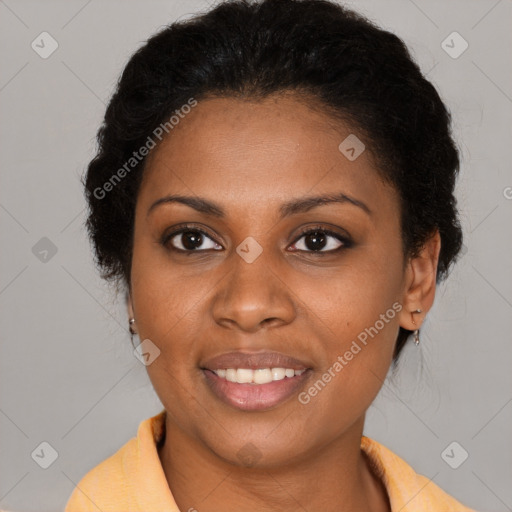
(408, 491)
(130, 477)
(106, 484)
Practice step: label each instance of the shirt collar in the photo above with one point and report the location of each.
(402, 484)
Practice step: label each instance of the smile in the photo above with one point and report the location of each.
(257, 376)
(255, 389)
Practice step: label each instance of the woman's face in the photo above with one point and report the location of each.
(253, 283)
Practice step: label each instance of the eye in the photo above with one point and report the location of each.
(320, 240)
(189, 239)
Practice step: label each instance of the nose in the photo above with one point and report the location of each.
(253, 296)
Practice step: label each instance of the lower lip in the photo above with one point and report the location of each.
(254, 397)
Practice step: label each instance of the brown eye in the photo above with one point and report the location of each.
(320, 241)
(189, 240)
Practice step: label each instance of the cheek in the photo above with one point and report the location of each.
(171, 309)
(165, 293)
(357, 321)
(170, 316)
(358, 327)
(352, 296)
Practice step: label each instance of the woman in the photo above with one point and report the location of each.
(274, 188)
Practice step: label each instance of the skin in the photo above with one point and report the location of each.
(251, 157)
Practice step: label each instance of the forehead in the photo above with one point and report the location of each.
(240, 150)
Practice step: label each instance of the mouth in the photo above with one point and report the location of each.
(255, 382)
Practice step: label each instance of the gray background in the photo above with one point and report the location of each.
(67, 372)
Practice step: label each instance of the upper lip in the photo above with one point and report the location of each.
(253, 360)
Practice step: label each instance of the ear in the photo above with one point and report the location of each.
(420, 284)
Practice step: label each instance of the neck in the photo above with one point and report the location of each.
(336, 477)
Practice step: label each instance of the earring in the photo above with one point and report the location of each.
(132, 332)
(416, 333)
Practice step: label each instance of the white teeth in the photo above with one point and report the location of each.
(258, 376)
(278, 373)
(244, 376)
(262, 376)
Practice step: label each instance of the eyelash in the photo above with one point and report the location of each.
(345, 241)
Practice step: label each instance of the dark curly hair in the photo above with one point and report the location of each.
(327, 54)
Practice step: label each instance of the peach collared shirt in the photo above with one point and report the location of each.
(132, 479)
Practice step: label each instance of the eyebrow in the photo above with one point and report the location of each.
(291, 207)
